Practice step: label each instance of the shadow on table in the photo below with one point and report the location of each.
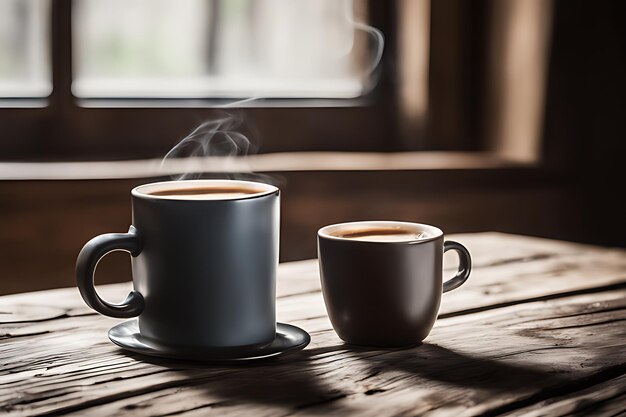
(297, 382)
(437, 363)
(289, 382)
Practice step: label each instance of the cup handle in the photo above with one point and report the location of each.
(88, 259)
(465, 265)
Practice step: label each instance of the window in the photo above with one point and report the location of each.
(132, 77)
(24, 48)
(220, 48)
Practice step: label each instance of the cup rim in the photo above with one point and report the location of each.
(142, 190)
(433, 232)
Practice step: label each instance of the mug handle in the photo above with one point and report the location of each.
(88, 259)
(465, 265)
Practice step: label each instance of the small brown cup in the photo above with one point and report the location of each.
(385, 294)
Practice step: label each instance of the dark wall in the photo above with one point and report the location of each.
(585, 129)
(44, 224)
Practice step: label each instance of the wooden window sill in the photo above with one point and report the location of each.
(271, 162)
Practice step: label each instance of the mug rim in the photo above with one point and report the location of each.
(434, 232)
(141, 192)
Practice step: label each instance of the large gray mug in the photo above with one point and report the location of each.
(204, 270)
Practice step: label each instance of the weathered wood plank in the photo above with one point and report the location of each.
(494, 283)
(604, 399)
(541, 322)
(507, 269)
(470, 364)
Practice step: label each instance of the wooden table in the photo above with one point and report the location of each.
(540, 329)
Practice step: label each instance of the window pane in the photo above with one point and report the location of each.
(219, 48)
(24, 48)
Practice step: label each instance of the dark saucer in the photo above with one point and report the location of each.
(288, 339)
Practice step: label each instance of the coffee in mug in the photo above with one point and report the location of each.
(207, 193)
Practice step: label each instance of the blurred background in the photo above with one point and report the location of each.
(481, 115)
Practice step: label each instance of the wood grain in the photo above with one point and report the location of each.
(604, 399)
(539, 329)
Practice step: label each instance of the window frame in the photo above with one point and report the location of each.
(62, 127)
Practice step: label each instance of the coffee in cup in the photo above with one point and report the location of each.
(381, 234)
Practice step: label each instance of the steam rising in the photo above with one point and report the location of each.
(220, 146)
(211, 146)
(370, 76)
